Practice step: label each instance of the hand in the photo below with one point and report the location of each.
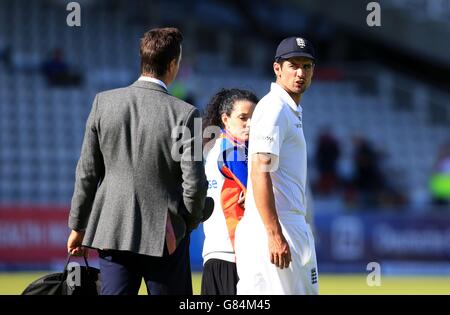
(74, 244)
(280, 253)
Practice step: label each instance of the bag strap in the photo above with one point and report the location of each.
(69, 256)
(67, 262)
(65, 271)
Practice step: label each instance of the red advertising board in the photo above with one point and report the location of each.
(33, 234)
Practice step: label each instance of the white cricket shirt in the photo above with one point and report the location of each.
(277, 129)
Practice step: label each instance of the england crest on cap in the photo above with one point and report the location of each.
(300, 42)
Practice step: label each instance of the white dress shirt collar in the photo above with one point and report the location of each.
(153, 80)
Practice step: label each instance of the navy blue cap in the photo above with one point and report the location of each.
(295, 47)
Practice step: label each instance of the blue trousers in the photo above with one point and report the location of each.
(122, 272)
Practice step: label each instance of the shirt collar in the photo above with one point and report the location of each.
(153, 80)
(275, 87)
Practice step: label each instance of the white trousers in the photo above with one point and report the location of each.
(257, 275)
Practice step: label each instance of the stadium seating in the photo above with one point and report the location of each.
(41, 128)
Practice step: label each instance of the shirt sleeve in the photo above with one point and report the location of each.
(268, 129)
(89, 173)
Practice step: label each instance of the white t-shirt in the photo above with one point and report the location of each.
(277, 129)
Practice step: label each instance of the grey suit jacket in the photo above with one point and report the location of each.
(127, 181)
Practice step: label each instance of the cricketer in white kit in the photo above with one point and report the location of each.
(275, 251)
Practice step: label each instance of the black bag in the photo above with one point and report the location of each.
(80, 280)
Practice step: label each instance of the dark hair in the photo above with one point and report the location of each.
(223, 102)
(159, 47)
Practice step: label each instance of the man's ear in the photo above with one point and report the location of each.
(173, 64)
(276, 68)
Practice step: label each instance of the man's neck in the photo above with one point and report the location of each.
(296, 97)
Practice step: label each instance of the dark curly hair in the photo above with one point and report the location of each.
(223, 102)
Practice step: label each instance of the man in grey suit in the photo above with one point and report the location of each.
(136, 199)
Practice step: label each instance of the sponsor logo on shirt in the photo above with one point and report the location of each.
(265, 138)
(212, 184)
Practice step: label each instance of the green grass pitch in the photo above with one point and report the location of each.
(14, 283)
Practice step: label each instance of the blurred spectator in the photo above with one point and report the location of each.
(180, 91)
(5, 55)
(367, 178)
(440, 178)
(327, 156)
(368, 187)
(57, 70)
(179, 88)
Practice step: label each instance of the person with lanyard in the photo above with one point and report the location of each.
(274, 244)
(228, 115)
